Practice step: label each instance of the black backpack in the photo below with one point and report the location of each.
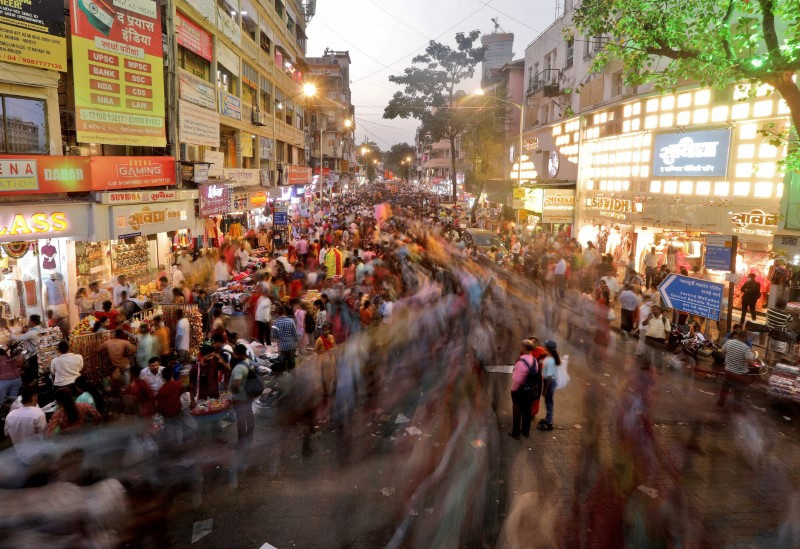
(532, 385)
(254, 384)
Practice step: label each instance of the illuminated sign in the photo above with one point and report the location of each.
(612, 204)
(754, 223)
(169, 216)
(691, 154)
(558, 206)
(22, 222)
(131, 197)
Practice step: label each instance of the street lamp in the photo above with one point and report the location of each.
(521, 108)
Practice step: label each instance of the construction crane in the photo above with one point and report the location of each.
(497, 27)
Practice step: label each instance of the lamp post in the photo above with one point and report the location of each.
(521, 108)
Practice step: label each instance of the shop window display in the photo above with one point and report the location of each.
(32, 281)
(92, 262)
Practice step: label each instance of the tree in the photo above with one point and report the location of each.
(716, 42)
(397, 155)
(482, 143)
(366, 155)
(430, 95)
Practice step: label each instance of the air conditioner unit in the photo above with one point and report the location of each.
(256, 118)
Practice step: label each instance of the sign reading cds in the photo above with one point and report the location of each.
(119, 73)
(32, 33)
(691, 154)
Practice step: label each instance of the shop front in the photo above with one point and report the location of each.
(35, 258)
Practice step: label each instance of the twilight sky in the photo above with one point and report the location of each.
(384, 35)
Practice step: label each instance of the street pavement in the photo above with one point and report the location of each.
(638, 457)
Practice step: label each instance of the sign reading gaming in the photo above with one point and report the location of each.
(691, 154)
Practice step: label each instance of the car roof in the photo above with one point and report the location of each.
(479, 231)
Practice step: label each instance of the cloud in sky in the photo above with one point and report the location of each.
(383, 35)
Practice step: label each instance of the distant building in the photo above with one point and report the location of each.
(499, 52)
(23, 136)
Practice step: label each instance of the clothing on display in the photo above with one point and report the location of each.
(9, 292)
(55, 292)
(49, 252)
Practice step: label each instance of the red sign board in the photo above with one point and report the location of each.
(63, 174)
(325, 171)
(298, 175)
(193, 38)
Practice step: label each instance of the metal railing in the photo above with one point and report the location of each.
(547, 77)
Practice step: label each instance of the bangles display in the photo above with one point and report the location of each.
(46, 342)
(96, 365)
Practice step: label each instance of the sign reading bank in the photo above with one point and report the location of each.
(691, 154)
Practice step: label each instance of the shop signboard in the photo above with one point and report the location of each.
(229, 28)
(196, 125)
(227, 58)
(558, 206)
(216, 161)
(325, 172)
(61, 174)
(692, 295)
(718, 252)
(206, 8)
(151, 218)
(20, 222)
(787, 247)
(691, 154)
(239, 201)
(135, 197)
(256, 200)
(196, 90)
(612, 208)
(132, 172)
(32, 33)
(44, 174)
(231, 105)
(214, 199)
(193, 38)
(118, 72)
(299, 175)
(242, 177)
(755, 222)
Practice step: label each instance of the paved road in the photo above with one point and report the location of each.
(641, 449)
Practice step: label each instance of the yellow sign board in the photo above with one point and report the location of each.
(32, 33)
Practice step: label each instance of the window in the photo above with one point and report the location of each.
(226, 81)
(250, 84)
(570, 46)
(279, 8)
(265, 44)
(618, 87)
(190, 61)
(24, 125)
(266, 95)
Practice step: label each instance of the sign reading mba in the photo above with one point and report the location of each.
(691, 154)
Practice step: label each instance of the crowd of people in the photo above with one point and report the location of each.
(403, 310)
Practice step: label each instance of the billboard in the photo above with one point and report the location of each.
(32, 33)
(196, 125)
(119, 73)
(193, 38)
(691, 154)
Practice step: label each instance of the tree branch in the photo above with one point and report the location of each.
(770, 34)
(726, 24)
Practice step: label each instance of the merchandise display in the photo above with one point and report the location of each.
(784, 383)
(92, 263)
(131, 258)
(96, 365)
(46, 341)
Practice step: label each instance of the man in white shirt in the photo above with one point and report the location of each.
(177, 276)
(658, 328)
(560, 273)
(182, 336)
(25, 426)
(122, 286)
(221, 272)
(629, 301)
(263, 317)
(650, 264)
(66, 367)
(242, 257)
(152, 374)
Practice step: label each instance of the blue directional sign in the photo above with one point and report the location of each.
(280, 218)
(692, 295)
(718, 252)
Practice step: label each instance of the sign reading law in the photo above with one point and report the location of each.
(119, 75)
(32, 33)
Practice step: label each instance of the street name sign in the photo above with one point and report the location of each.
(718, 252)
(692, 295)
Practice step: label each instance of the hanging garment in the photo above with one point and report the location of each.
(9, 293)
(333, 262)
(55, 291)
(49, 252)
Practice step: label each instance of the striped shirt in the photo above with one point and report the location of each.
(777, 319)
(737, 355)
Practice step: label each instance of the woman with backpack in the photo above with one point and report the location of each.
(526, 386)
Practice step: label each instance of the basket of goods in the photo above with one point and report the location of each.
(211, 409)
(83, 327)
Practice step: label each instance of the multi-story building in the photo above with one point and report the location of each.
(104, 152)
(332, 117)
(630, 169)
(499, 52)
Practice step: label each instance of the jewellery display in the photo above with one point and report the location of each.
(46, 344)
(91, 262)
(96, 365)
(130, 258)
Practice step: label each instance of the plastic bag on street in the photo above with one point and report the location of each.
(562, 375)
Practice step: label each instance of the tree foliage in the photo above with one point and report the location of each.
(366, 159)
(430, 91)
(716, 42)
(397, 155)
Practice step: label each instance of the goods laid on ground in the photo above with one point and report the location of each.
(784, 383)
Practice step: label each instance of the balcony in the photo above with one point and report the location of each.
(545, 81)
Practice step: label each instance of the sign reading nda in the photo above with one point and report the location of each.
(119, 74)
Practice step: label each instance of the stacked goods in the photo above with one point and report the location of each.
(784, 383)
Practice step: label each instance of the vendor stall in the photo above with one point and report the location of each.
(784, 384)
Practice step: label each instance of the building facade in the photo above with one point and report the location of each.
(332, 120)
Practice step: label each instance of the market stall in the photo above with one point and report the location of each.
(784, 384)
